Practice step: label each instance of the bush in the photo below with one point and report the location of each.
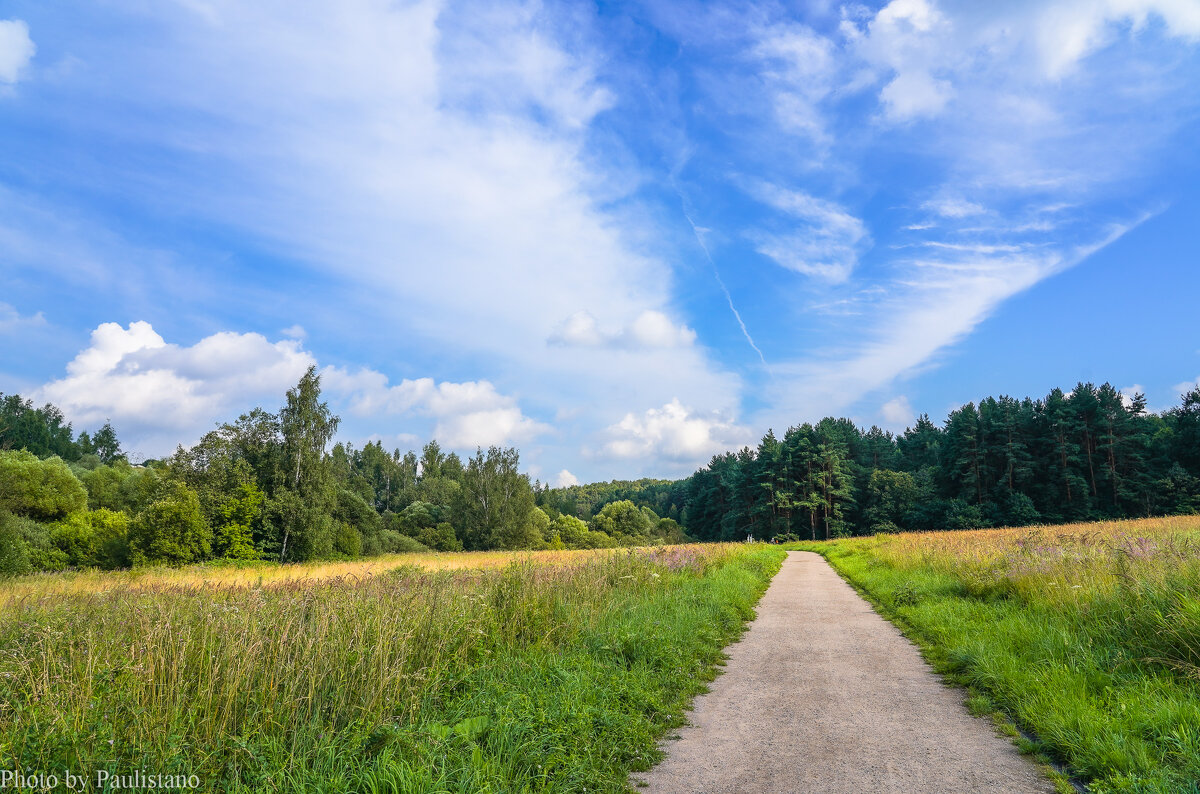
(43, 554)
(38, 489)
(622, 518)
(171, 529)
(14, 556)
(392, 542)
(347, 541)
(93, 539)
(440, 538)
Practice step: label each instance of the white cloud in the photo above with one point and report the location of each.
(1020, 150)
(826, 246)
(900, 41)
(158, 395)
(649, 330)
(11, 319)
(565, 479)
(467, 414)
(935, 303)
(294, 332)
(914, 94)
(898, 412)
(949, 207)
(16, 49)
(1067, 32)
(799, 66)
(674, 432)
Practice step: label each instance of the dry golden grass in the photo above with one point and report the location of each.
(266, 573)
(1059, 563)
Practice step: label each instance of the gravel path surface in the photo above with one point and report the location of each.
(824, 695)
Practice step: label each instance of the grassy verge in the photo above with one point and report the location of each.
(1086, 636)
(531, 678)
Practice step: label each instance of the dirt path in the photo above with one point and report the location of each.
(823, 695)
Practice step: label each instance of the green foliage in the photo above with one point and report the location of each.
(440, 537)
(14, 555)
(622, 518)
(392, 542)
(347, 540)
(93, 539)
(891, 496)
(492, 506)
(570, 530)
(39, 489)
(305, 530)
(40, 550)
(665, 497)
(1088, 454)
(171, 529)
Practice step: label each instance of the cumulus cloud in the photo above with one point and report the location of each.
(1129, 392)
(565, 479)
(897, 43)
(826, 244)
(467, 414)
(16, 49)
(158, 394)
(674, 432)
(649, 330)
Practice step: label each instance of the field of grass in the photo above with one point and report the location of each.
(544, 672)
(227, 573)
(1086, 635)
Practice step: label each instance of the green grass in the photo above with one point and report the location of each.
(531, 678)
(1088, 637)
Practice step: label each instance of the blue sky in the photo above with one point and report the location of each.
(621, 237)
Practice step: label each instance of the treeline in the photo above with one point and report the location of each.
(663, 497)
(1090, 454)
(269, 486)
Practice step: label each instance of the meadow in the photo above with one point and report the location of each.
(548, 671)
(1086, 636)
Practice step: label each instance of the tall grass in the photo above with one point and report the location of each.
(1088, 635)
(255, 574)
(542, 675)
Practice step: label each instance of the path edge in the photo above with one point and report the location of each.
(1001, 721)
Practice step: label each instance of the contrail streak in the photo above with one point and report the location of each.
(717, 275)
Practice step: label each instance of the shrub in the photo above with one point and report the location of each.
(392, 542)
(440, 538)
(14, 556)
(347, 540)
(93, 538)
(39, 489)
(171, 529)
